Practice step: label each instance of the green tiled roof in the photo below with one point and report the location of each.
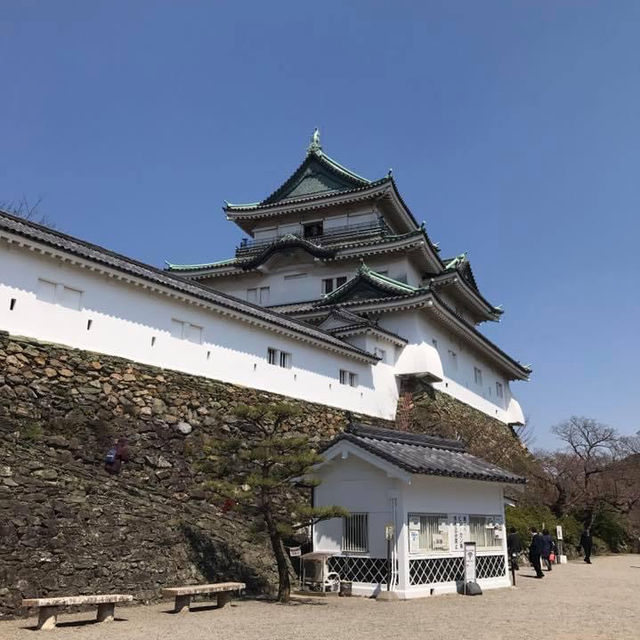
(318, 173)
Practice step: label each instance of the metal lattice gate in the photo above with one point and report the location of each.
(432, 570)
(358, 569)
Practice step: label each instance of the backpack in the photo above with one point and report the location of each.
(111, 456)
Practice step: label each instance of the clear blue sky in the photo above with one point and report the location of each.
(513, 129)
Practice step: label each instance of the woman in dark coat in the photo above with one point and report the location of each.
(548, 547)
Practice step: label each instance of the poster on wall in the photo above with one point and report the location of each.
(460, 527)
(414, 539)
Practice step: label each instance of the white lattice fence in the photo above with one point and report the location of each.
(432, 570)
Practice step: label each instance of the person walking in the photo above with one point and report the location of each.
(514, 547)
(535, 551)
(548, 548)
(586, 543)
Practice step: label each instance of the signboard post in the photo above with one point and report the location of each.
(469, 564)
(560, 543)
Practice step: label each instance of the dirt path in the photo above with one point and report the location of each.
(574, 602)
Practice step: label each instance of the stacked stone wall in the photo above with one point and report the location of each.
(69, 527)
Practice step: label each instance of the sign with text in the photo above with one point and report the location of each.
(295, 552)
(559, 532)
(460, 527)
(469, 562)
(389, 530)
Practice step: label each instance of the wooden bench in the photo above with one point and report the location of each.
(183, 594)
(48, 614)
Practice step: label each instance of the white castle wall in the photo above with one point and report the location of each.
(135, 323)
(118, 318)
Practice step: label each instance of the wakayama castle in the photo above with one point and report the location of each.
(337, 296)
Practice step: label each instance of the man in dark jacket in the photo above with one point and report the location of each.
(514, 547)
(586, 542)
(535, 551)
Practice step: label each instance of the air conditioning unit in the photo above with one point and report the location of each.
(316, 575)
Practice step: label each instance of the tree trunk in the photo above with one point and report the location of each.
(284, 582)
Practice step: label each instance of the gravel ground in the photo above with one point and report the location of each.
(574, 602)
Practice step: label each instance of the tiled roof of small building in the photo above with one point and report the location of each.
(424, 454)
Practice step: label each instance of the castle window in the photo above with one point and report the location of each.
(329, 284)
(279, 358)
(477, 375)
(348, 377)
(186, 331)
(57, 293)
(499, 390)
(258, 295)
(313, 230)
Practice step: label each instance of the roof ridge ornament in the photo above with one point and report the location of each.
(315, 145)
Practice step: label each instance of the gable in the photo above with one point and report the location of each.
(315, 179)
(359, 289)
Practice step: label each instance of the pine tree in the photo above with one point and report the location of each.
(261, 472)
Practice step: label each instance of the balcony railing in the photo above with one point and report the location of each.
(333, 235)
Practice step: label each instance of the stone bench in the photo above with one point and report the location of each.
(183, 594)
(48, 614)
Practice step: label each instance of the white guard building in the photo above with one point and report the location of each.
(435, 494)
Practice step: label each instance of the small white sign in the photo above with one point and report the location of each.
(295, 552)
(559, 532)
(469, 562)
(389, 530)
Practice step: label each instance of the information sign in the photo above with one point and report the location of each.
(559, 532)
(469, 562)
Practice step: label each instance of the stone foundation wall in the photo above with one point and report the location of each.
(68, 527)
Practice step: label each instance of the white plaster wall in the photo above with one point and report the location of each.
(125, 318)
(458, 381)
(284, 290)
(360, 488)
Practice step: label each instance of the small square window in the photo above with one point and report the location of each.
(193, 333)
(313, 230)
(272, 356)
(340, 281)
(177, 328)
(381, 353)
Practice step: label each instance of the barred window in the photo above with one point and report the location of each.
(355, 533)
(482, 530)
(428, 532)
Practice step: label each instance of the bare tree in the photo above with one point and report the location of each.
(23, 208)
(598, 468)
